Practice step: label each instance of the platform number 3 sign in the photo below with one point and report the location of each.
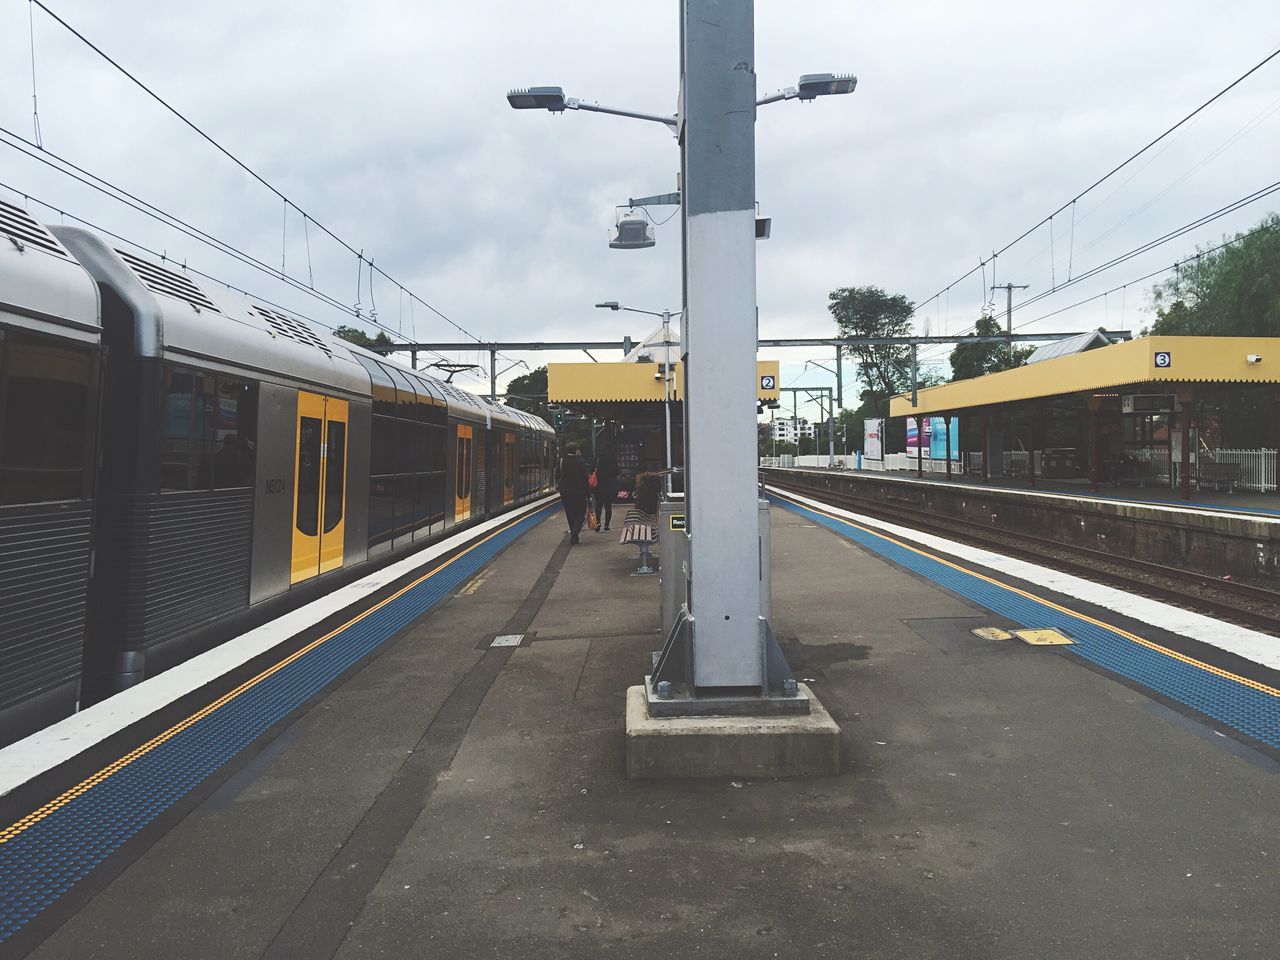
(767, 382)
(1164, 359)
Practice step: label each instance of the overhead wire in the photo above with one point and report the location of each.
(1259, 194)
(240, 163)
(238, 255)
(1110, 173)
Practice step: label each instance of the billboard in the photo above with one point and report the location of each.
(872, 439)
(934, 440)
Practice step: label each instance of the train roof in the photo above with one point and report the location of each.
(42, 287)
(180, 319)
(461, 403)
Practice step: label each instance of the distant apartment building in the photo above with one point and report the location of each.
(790, 431)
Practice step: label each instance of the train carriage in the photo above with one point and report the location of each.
(248, 462)
(50, 358)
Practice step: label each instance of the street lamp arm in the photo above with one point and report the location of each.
(787, 93)
(573, 103)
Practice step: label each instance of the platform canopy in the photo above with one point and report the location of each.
(631, 382)
(1147, 360)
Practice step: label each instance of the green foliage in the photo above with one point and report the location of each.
(870, 312)
(969, 360)
(1232, 292)
(362, 339)
(528, 392)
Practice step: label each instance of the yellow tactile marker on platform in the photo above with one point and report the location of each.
(1043, 638)
(992, 633)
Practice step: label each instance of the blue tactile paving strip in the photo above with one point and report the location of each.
(45, 855)
(1244, 705)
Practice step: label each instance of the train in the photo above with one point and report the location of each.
(180, 462)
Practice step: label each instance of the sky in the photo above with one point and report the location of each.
(386, 121)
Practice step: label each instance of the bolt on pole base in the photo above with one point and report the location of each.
(670, 690)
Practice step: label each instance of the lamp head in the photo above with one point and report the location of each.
(813, 85)
(609, 305)
(537, 98)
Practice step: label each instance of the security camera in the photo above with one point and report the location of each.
(1254, 358)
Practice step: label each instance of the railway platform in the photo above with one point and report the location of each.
(449, 790)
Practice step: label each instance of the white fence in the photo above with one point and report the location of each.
(1257, 468)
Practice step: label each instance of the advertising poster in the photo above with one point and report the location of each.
(936, 431)
(913, 435)
(872, 439)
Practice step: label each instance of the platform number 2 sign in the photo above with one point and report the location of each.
(768, 382)
(1164, 359)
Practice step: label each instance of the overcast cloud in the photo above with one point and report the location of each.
(387, 121)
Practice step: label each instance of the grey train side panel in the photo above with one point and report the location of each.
(355, 547)
(273, 516)
(188, 558)
(44, 572)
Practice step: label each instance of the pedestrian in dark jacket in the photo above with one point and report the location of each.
(606, 471)
(573, 491)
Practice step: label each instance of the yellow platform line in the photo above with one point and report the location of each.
(1111, 628)
(31, 819)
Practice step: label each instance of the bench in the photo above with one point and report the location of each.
(641, 529)
(1216, 474)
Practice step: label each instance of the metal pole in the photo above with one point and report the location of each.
(919, 447)
(831, 431)
(413, 359)
(914, 369)
(720, 330)
(666, 382)
(493, 374)
(1187, 411)
(946, 418)
(839, 382)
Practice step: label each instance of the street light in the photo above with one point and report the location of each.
(666, 316)
(553, 99)
(814, 85)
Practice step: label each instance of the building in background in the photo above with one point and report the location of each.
(791, 430)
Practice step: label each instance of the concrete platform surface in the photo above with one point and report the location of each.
(457, 800)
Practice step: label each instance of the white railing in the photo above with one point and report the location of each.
(1257, 468)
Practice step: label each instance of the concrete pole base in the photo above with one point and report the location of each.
(671, 748)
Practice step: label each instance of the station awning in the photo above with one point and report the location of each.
(634, 382)
(1169, 360)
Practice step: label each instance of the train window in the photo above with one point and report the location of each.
(335, 471)
(310, 430)
(235, 433)
(175, 442)
(406, 396)
(384, 391)
(382, 452)
(44, 410)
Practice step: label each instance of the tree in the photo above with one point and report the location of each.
(1232, 292)
(969, 360)
(870, 312)
(528, 392)
(362, 339)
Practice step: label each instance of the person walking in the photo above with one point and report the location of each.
(573, 491)
(606, 471)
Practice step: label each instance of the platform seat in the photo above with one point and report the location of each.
(1218, 475)
(640, 529)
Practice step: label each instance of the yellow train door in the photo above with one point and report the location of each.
(508, 468)
(463, 435)
(319, 486)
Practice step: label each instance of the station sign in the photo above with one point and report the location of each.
(1164, 359)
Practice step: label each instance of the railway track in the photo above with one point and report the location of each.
(1241, 603)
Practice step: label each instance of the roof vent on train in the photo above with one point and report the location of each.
(21, 228)
(160, 279)
(291, 328)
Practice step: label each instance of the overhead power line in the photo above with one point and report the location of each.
(163, 257)
(982, 263)
(1254, 197)
(307, 218)
(119, 194)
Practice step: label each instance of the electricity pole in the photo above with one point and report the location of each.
(1008, 288)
